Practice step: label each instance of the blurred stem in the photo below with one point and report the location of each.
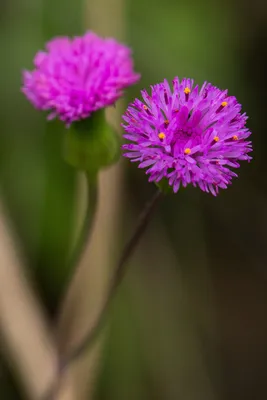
(84, 237)
(119, 273)
(92, 199)
(28, 346)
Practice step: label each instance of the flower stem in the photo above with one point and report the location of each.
(119, 273)
(84, 236)
(92, 201)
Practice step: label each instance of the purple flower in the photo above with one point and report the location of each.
(75, 77)
(187, 135)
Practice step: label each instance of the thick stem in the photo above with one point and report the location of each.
(84, 237)
(119, 273)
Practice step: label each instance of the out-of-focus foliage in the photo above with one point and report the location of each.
(189, 322)
(36, 184)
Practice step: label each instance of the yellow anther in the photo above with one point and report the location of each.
(145, 107)
(166, 122)
(161, 135)
(216, 138)
(187, 151)
(224, 104)
(235, 137)
(187, 90)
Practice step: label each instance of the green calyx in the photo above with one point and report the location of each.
(91, 144)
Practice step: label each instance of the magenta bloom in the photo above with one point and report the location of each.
(187, 135)
(75, 77)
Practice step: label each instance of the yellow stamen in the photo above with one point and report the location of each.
(145, 107)
(235, 137)
(216, 138)
(166, 122)
(224, 104)
(187, 151)
(161, 135)
(187, 90)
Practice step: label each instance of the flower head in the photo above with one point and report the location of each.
(187, 135)
(75, 77)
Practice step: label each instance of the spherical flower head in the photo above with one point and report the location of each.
(187, 135)
(75, 77)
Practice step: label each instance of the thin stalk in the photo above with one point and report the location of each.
(119, 273)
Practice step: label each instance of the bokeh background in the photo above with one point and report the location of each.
(189, 321)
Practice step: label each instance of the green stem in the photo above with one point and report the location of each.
(84, 237)
(83, 242)
(119, 273)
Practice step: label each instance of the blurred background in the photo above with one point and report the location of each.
(189, 321)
